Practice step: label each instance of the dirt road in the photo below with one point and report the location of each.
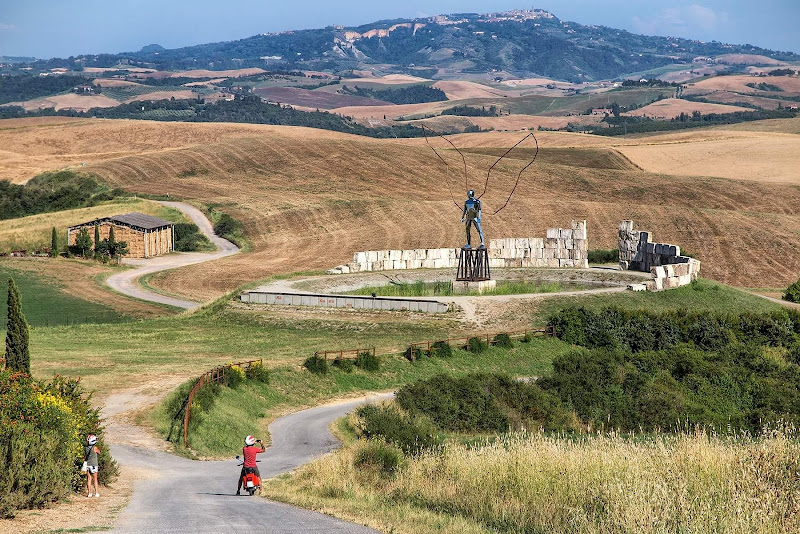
(191, 496)
(126, 282)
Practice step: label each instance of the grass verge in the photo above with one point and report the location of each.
(249, 408)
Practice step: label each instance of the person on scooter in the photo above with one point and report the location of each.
(249, 453)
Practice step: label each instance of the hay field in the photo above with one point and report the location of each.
(311, 198)
(673, 107)
(789, 84)
(758, 157)
(389, 79)
(68, 101)
(460, 90)
(392, 111)
(163, 95)
(747, 59)
(202, 73)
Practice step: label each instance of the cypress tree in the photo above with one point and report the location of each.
(17, 356)
(96, 239)
(54, 243)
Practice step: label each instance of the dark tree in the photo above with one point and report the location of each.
(96, 237)
(54, 243)
(17, 356)
(83, 241)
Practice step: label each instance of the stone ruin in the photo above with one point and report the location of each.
(562, 247)
(664, 261)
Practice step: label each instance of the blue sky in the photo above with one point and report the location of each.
(58, 28)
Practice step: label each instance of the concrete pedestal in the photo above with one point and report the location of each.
(465, 286)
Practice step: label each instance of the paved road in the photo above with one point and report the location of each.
(126, 282)
(199, 497)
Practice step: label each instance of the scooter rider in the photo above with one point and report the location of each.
(249, 453)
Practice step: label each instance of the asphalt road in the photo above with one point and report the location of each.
(126, 281)
(199, 497)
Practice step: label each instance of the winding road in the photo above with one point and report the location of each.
(189, 496)
(126, 281)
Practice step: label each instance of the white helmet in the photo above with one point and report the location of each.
(91, 439)
(249, 440)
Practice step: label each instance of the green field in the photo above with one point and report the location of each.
(45, 304)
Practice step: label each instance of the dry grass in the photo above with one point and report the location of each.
(389, 79)
(672, 107)
(164, 95)
(34, 232)
(201, 73)
(743, 59)
(539, 483)
(761, 158)
(461, 90)
(392, 111)
(68, 101)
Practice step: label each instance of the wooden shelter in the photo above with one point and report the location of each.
(147, 236)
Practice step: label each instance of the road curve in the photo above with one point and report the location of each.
(126, 282)
(199, 497)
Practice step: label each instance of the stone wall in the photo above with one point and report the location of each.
(562, 247)
(669, 268)
(140, 244)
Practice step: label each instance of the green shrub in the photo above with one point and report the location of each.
(234, 376)
(368, 361)
(411, 434)
(794, 353)
(43, 428)
(476, 345)
(461, 404)
(188, 238)
(257, 372)
(383, 457)
(413, 353)
(316, 365)
(441, 349)
(527, 338)
(604, 256)
(793, 292)
(503, 341)
(344, 364)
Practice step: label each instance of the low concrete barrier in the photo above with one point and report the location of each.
(358, 302)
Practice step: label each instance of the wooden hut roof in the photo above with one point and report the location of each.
(134, 220)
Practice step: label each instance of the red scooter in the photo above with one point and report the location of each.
(250, 481)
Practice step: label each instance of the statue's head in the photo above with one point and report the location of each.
(471, 193)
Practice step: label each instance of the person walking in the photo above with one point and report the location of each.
(92, 465)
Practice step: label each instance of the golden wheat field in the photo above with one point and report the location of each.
(310, 198)
(672, 107)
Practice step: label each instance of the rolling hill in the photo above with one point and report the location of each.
(310, 198)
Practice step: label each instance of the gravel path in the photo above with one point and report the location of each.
(126, 282)
(189, 496)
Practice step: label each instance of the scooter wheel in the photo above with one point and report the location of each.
(251, 491)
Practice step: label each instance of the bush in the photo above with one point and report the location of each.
(43, 428)
(794, 353)
(503, 341)
(256, 371)
(384, 457)
(793, 292)
(368, 361)
(188, 238)
(316, 365)
(604, 256)
(234, 376)
(441, 349)
(476, 345)
(413, 353)
(344, 364)
(527, 338)
(411, 434)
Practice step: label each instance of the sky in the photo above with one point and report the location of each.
(58, 28)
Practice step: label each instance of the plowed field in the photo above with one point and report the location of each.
(309, 198)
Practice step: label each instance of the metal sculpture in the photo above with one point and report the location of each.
(473, 264)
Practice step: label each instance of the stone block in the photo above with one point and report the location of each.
(553, 233)
(496, 262)
(670, 270)
(626, 226)
(521, 242)
(637, 287)
(441, 263)
(651, 285)
(650, 248)
(360, 257)
(344, 269)
(408, 255)
(581, 244)
(537, 253)
(415, 264)
(434, 254)
(566, 233)
(553, 263)
(659, 282)
(582, 264)
(428, 264)
(551, 242)
(684, 279)
(680, 269)
(372, 256)
(386, 265)
(569, 244)
(421, 253)
(579, 233)
(536, 242)
(399, 264)
(658, 272)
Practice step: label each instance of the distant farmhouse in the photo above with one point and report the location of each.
(146, 236)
